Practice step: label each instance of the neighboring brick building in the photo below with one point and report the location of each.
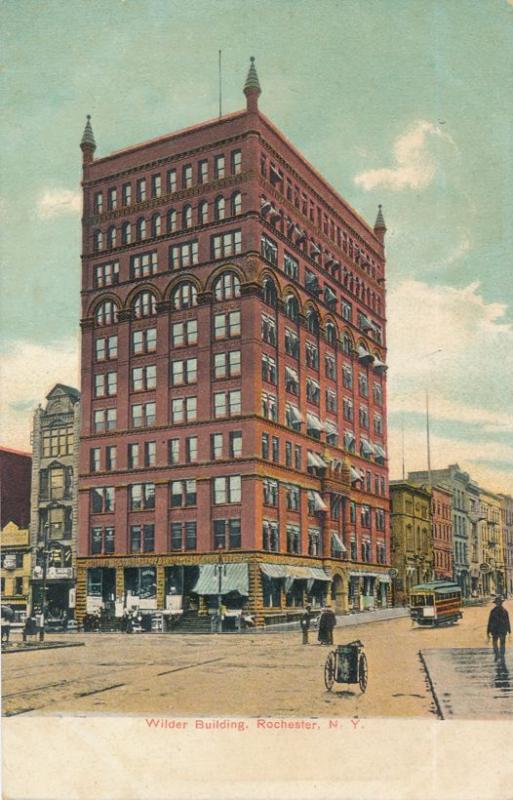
(233, 378)
(441, 513)
(54, 502)
(16, 558)
(15, 472)
(507, 531)
(412, 537)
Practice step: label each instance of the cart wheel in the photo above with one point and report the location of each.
(329, 671)
(363, 672)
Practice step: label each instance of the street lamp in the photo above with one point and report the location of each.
(220, 589)
(43, 582)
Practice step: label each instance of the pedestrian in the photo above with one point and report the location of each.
(326, 624)
(305, 623)
(498, 628)
(7, 618)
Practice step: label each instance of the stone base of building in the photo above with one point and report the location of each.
(209, 592)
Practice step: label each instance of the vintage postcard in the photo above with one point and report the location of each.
(256, 447)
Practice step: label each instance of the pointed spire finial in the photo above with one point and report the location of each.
(88, 143)
(252, 88)
(379, 226)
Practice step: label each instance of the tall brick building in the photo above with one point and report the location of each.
(233, 379)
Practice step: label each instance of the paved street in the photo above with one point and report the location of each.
(248, 675)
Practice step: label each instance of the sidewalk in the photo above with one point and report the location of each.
(343, 620)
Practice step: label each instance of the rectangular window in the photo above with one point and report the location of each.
(187, 176)
(96, 541)
(183, 255)
(141, 190)
(227, 326)
(111, 456)
(105, 384)
(150, 454)
(235, 444)
(219, 167)
(364, 417)
(312, 391)
(106, 349)
(347, 311)
(112, 199)
(142, 538)
(104, 420)
(227, 365)
(293, 539)
(291, 343)
(268, 329)
(227, 404)
(227, 489)
(144, 341)
(347, 377)
(183, 409)
(291, 266)
(330, 367)
(102, 499)
(133, 455)
(156, 186)
(271, 538)
(293, 495)
(142, 496)
(268, 368)
(347, 409)
(184, 372)
(144, 378)
(363, 384)
(143, 415)
(269, 250)
(312, 356)
(378, 424)
(94, 459)
(275, 449)
(227, 244)
(270, 491)
(203, 171)
(171, 180)
(143, 265)
(127, 194)
(184, 333)
(183, 493)
(269, 406)
(191, 449)
(173, 451)
(236, 162)
(106, 274)
(216, 446)
(297, 456)
(98, 202)
(265, 446)
(331, 400)
(288, 454)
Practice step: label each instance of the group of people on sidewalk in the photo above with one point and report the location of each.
(327, 622)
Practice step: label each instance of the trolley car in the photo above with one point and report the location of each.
(436, 603)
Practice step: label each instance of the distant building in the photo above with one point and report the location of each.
(233, 380)
(54, 505)
(464, 496)
(491, 538)
(441, 520)
(507, 531)
(16, 563)
(411, 537)
(15, 472)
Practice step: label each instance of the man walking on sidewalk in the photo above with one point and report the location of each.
(498, 628)
(305, 623)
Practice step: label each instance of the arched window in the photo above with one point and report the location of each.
(172, 221)
(236, 204)
(292, 308)
(144, 305)
(187, 216)
(331, 333)
(270, 293)
(111, 237)
(185, 296)
(312, 321)
(203, 213)
(156, 225)
(347, 344)
(219, 208)
(141, 229)
(98, 241)
(126, 233)
(106, 313)
(227, 286)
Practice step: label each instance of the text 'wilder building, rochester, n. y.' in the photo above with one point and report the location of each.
(233, 380)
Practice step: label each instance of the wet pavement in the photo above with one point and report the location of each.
(469, 683)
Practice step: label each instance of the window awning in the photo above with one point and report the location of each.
(301, 235)
(275, 213)
(315, 248)
(276, 172)
(379, 366)
(295, 413)
(291, 374)
(349, 438)
(378, 450)
(294, 572)
(331, 427)
(364, 355)
(313, 422)
(337, 543)
(234, 578)
(265, 206)
(367, 448)
(317, 501)
(329, 294)
(274, 570)
(366, 324)
(366, 574)
(355, 475)
(314, 460)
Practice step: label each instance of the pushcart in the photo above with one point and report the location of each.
(346, 664)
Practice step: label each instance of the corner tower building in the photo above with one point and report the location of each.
(233, 381)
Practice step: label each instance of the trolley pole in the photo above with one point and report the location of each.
(220, 590)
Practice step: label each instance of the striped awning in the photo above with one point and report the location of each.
(318, 502)
(364, 355)
(337, 543)
(234, 578)
(294, 572)
(313, 422)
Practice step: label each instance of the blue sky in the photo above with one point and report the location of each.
(405, 103)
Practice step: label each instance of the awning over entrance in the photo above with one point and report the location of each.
(234, 578)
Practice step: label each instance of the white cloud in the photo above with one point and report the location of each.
(57, 202)
(415, 166)
(27, 373)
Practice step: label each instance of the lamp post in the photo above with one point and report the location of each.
(220, 589)
(43, 582)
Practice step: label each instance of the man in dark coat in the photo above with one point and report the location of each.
(326, 624)
(498, 628)
(305, 623)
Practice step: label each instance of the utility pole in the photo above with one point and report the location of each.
(43, 583)
(428, 441)
(220, 89)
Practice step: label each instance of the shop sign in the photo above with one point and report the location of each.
(60, 573)
(10, 561)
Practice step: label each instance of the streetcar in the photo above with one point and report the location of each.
(436, 603)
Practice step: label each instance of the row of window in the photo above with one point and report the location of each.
(184, 219)
(225, 490)
(175, 179)
(182, 536)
